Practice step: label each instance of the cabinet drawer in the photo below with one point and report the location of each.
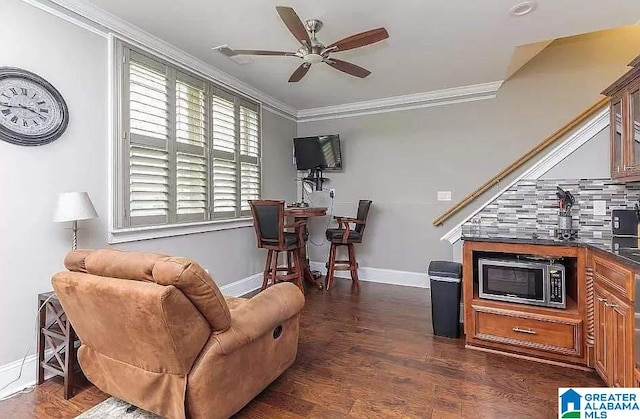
(614, 277)
(559, 335)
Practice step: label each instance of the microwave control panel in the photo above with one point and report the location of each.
(556, 285)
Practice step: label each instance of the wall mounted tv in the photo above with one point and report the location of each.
(319, 152)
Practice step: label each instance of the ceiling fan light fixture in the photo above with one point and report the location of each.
(313, 58)
(311, 50)
(523, 8)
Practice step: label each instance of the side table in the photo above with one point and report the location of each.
(55, 333)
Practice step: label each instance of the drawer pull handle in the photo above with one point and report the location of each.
(610, 304)
(603, 300)
(527, 331)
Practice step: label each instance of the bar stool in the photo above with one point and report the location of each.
(268, 221)
(345, 236)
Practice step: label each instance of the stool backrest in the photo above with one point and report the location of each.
(268, 221)
(363, 213)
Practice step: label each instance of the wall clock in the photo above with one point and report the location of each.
(32, 111)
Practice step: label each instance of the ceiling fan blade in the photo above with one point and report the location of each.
(259, 52)
(299, 73)
(348, 68)
(294, 24)
(359, 40)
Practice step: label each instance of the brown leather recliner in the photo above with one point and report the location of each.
(157, 333)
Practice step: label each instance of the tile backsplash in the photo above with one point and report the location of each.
(531, 206)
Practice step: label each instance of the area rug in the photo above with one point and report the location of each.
(114, 408)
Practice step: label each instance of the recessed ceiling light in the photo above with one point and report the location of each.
(523, 8)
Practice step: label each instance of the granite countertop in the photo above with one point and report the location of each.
(628, 257)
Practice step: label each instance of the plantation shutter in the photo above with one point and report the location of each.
(149, 130)
(225, 153)
(190, 151)
(191, 138)
(249, 155)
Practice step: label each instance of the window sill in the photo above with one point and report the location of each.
(125, 235)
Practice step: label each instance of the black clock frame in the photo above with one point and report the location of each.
(34, 140)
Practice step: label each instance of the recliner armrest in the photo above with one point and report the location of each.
(260, 315)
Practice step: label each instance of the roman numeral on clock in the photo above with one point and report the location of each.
(13, 89)
(6, 112)
(24, 123)
(14, 119)
(23, 91)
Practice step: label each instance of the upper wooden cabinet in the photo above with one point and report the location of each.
(625, 125)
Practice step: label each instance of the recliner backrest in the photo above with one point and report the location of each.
(187, 276)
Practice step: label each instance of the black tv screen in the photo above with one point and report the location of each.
(318, 152)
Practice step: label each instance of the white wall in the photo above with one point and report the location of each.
(590, 161)
(32, 247)
(401, 159)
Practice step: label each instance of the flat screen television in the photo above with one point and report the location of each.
(318, 152)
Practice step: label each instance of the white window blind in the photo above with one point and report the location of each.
(225, 162)
(149, 126)
(191, 149)
(249, 156)
(191, 137)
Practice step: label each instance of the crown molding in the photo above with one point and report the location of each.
(97, 20)
(405, 102)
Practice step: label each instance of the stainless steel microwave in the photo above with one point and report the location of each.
(540, 283)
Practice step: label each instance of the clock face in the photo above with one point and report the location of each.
(32, 112)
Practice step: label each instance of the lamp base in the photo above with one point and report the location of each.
(74, 244)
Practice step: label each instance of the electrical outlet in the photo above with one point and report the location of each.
(332, 193)
(597, 234)
(444, 195)
(599, 207)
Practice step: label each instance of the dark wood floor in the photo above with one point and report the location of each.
(372, 355)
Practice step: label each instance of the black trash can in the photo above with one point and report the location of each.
(445, 277)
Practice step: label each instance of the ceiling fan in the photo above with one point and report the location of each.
(313, 51)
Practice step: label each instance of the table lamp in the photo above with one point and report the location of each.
(74, 206)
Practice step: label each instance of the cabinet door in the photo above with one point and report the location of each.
(617, 139)
(621, 337)
(600, 333)
(633, 131)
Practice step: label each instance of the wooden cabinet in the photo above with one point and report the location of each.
(596, 329)
(613, 339)
(546, 333)
(625, 125)
(600, 333)
(614, 317)
(621, 321)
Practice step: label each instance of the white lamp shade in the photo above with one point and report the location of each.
(74, 206)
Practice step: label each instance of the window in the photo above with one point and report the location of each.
(190, 149)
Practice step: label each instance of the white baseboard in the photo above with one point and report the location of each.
(243, 286)
(382, 276)
(10, 371)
